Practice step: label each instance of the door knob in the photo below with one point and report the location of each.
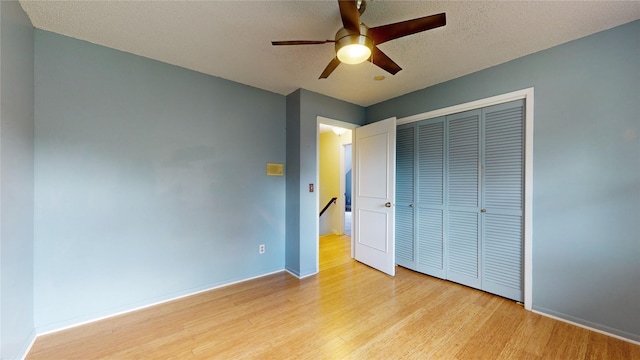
(483, 210)
(388, 204)
(410, 205)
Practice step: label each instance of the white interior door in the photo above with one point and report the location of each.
(374, 198)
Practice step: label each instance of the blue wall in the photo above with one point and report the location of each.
(586, 170)
(292, 248)
(16, 180)
(303, 109)
(150, 181)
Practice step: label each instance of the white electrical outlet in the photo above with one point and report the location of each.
(261, 249)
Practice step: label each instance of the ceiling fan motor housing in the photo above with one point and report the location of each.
(346, 37)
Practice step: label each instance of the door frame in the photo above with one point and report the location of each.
(527, 96)
(343, 182)
(346, 125)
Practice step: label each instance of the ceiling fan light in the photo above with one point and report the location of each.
(354, 53)
(353, 48)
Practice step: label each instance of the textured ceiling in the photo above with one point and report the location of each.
(232, 39)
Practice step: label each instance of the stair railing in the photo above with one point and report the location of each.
(332, 201)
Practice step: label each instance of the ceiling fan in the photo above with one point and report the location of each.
(356, 42)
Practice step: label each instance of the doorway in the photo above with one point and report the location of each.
(334, 190)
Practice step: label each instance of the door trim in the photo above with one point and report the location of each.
(527, 96)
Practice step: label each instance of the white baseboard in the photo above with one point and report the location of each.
(46, 332)
(26, 350)
(292, 273)
(298, 276)
(587, 327)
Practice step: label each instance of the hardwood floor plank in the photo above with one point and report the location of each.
(347, 311)
(567, 342)
(538, 332)
(490, 339)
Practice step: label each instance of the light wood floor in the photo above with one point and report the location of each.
(348, 311)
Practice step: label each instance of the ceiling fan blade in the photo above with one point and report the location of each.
(384, 62)
(329, 69)
(301, 42)
(350, 15)
(384, 33)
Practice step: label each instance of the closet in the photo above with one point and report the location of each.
(459, 198)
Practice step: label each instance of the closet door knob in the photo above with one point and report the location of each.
(483, 210)
(388, 204)
(410, 205)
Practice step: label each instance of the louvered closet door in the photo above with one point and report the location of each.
(405, 174)
(463, 179)
(430, 197)
(465, 173)
(502, 198)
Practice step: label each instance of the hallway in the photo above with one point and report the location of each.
(335, 250)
